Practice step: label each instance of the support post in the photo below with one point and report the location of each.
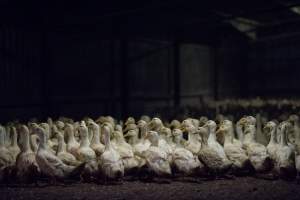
(124, 77)
(177, 81)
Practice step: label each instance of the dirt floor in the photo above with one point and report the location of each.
(240, 188)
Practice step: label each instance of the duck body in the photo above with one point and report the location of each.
(285, 165)
(212, 156)
(233, 150)
(85, 152)
(257, 152)
(26, 165)
(110, 163)
(156, 158)
(49, 164)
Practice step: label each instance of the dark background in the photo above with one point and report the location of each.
(77, 58)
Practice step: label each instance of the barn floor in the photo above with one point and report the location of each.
(240, 188)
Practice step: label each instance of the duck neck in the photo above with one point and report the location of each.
(2, 138)
(133, 140)
(228, 137)
(14, 141)
(212, 134)
(191, 136)
(96, 136)
(25, 142)
(273, 139)
(61, 144)
(240, 133)
(297, 132)
(107, 138)
(258, 123)
(85, 142)
(43, 141)
(283, 139)
(71, 137)
(144, 130)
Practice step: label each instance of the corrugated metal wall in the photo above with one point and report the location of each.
(20, 80)
(78, 73)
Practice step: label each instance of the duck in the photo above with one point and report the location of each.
(257, 152)
(14, 148)
(156, 158)
(239, 130)
(62, 154)
(125, 150)
(215, 161)
(165, 141)
(72, 144)
(51, 144)
(285, 165)
(96, 145)
(272, 147)
(27, 168)
(192, 144)
(297, 158)
(184, 160)
(233, 150)
(260, 137)
(6, 157)
(49, 164)
(110, 162)
(84, 153)
(212, 139)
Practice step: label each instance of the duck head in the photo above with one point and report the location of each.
(60, 125)
(166, 134)
(130, 120)
(202, 120)
(211, 125)
(177, 134)
(146, 118)
(188, 126)
(153, 137)
(269, 127)
(155, 124)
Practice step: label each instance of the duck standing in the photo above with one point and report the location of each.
(26, 165)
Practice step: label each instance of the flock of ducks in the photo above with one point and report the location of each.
(104, 149)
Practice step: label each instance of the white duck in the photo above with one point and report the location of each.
(165, 142)
(84, 153)
(62, 154)
(96, 145)
(51, 144)
(156, 158)
(14, 148)
(257, 152)
(285, 165)
(110, 162)
(233, 150)
(6, 158)
(193, 144)
(72, 144)
(26, 165)
(125, 150)
(260, 137)
(183, 160)
(210, 155)
(271, 130)
(49, 164)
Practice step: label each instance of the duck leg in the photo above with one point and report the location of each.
(298, 177)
